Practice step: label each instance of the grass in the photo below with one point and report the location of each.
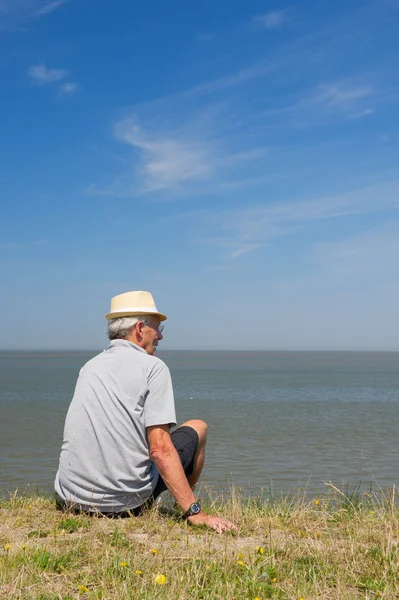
(342, 546)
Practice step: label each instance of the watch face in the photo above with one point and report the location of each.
(195, 508)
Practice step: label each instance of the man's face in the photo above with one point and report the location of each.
(150, 335)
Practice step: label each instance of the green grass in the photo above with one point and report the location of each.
(342, 546)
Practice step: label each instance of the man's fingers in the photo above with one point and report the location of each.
(222, 525)
(219, 528)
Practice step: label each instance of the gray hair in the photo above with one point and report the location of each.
(121, 328)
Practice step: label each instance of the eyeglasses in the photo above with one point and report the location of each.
(160, 327)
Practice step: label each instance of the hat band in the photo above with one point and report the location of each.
(138, 309)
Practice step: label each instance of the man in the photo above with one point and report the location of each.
(118, 454)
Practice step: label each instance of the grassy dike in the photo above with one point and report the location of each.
(336, 547)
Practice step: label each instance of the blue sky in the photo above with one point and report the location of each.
(237, 159)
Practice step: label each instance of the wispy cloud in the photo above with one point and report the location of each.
(236, 78)
(342, 97)
(190, 157)
(345, 99)
(50, 7)
(363, 113)
(67, 89)
(42, 75)
(249, 229)
(235, 249)
(164, 162)
(241, 76)
(14, 12)
(271, 20)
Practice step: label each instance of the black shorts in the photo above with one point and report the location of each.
(185, 440)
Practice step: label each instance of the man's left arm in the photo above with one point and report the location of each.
(167, 461)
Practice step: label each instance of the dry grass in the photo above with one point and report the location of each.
(338, 547)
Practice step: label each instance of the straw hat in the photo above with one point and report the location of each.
(133, 303)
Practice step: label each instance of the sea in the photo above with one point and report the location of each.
(278, 422)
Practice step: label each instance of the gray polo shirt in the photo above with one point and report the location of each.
(105, 462)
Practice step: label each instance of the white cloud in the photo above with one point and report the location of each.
(164, 161)
(238, 249)
(341, 95)
(50, 7)
(271, 20)
(191, 157)
(214, 86)
(346, 99)
(252, 227)
(67, 89)
(363, 113)
(40, 74)
(239, 77)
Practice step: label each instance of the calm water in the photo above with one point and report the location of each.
(281, 420)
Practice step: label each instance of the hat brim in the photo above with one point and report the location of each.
(120, 313)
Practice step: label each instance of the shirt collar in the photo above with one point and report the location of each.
(125, 344)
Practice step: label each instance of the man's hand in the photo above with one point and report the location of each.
(218, 524)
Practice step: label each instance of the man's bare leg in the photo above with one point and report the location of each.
(199, 458)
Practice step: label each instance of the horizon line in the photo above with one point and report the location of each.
(59, 350)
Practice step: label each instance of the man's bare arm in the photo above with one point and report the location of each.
(167, 461)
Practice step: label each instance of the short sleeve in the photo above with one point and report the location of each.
(159, 406)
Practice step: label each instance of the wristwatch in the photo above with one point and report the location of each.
(192, 510)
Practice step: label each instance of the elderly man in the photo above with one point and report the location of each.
(118, 454)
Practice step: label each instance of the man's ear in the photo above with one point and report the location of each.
(139, 328)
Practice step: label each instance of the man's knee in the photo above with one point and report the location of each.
(200, 427)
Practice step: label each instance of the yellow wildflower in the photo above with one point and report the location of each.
(154, 551)
(274, 580)
(260, 550)
(123, 564)
(30, 506)
(83, 588)
(160, 579)
(317, 501)
(138, 572)
(240, 556)
(241, 563)
(23, 546)
(257, 598)
(7, 547)
(371, 512)
(318, 533)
